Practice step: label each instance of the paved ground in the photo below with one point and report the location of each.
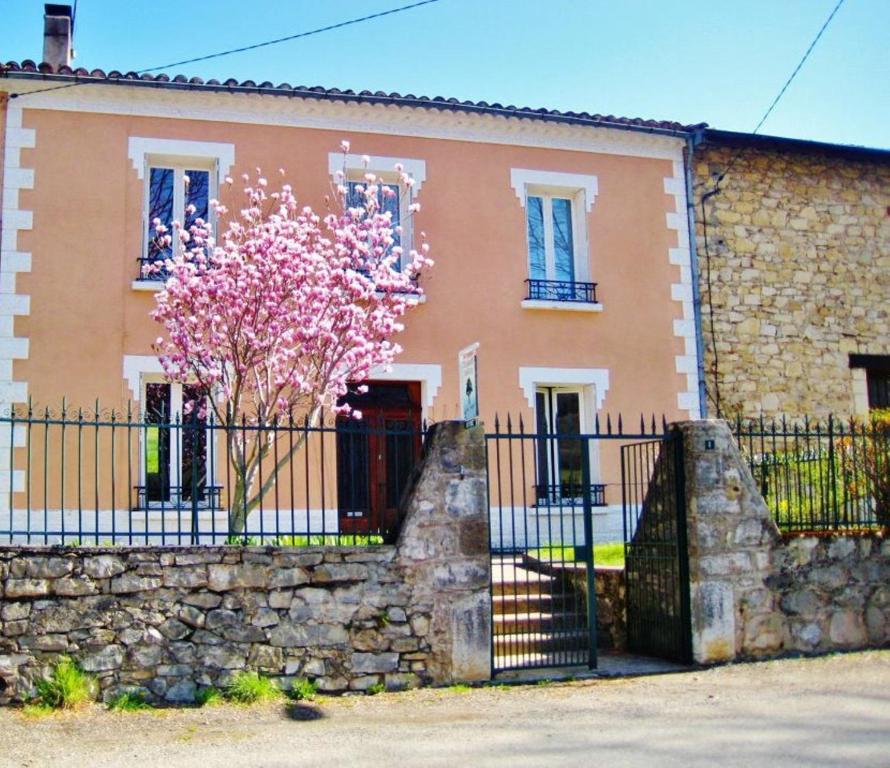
(832, 711)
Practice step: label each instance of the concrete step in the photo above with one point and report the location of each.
(521, 602)
(537, 623)
(521, 644)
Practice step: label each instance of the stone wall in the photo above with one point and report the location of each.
(757, 594)
(170, 620)
(799, 277)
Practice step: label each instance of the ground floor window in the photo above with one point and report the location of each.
(176, 446)
(558, 415)
(876, 369)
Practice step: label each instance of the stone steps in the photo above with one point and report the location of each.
(536, 621)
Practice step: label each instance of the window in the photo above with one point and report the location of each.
(176, 447)
(355, 168)
(560, 451)
(170, 191)
(388, 203)
(871, 382)
(556, 207)
(163, 165)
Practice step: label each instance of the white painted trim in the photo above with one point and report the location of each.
(13, 261)
(429, 376)
(682, 292)
(150, 286)
(563, 306)
(859, 391)
(140, 147)
(522, 178)
(530, 378)
(422, 122)
(134, 368)
(377, 164)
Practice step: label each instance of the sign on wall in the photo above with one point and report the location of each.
(468, 374)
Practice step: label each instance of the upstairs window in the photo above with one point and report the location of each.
(551, 246)
(556, 207)
(355, 168)
(162, 166)
(170, 192)
(388, 204)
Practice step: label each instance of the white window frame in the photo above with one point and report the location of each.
(175, 443)
(181, 155)
(581, 190)
(355, 169)
(580, 262)
(550, 391)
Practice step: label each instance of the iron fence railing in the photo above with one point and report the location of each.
(111, 478)
(820, 476)
(561, 290)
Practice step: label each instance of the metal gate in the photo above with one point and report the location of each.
(656, 554)
(553, 494)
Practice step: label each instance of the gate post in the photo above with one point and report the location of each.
(588, 551)
(729, 532)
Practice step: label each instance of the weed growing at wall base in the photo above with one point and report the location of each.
(251, 688)
(67, 687)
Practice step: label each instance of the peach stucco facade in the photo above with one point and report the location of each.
(85, 207)
(76, 325)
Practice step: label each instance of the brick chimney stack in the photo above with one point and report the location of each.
(58, 27)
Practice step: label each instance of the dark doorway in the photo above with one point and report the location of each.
(376, 454)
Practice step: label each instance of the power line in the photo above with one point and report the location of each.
(253, 47)
(715, 190)
(784, 87)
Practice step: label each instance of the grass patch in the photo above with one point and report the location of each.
(460, 688)
(609, 554)
(209, 697)
(67, 687)
(373, 690)
(129, 701)
(36, 711)
(302, 690)
(252, 688)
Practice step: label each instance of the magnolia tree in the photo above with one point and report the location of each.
(282, 312)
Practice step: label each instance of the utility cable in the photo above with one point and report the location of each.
(253, 47)
(715, 190)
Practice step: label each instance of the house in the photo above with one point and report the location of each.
(561, 243)
(794, 256)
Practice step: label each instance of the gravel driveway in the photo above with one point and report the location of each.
(806, 712)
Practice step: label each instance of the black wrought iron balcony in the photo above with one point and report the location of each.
(147, 270)
(569, 494)
(177, 497)
(560, 290)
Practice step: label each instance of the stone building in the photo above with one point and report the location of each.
(794, 264)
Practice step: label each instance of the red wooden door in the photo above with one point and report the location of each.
(375, 456)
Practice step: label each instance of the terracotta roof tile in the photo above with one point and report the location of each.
(66, 74)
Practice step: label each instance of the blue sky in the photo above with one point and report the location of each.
(719, 61)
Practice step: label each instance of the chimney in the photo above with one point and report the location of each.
(58, 26)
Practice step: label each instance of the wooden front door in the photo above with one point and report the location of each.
(375, 456)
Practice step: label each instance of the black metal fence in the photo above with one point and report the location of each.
(820, 476)
(112, 478)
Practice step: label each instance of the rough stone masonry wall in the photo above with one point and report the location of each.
(755, 594)
(170, 620)
(800, 277)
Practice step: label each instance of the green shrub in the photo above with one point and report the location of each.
(373, 690)
(250, 687)
(301, 688)
(209, 697)
(129, 701)
(67, 686)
